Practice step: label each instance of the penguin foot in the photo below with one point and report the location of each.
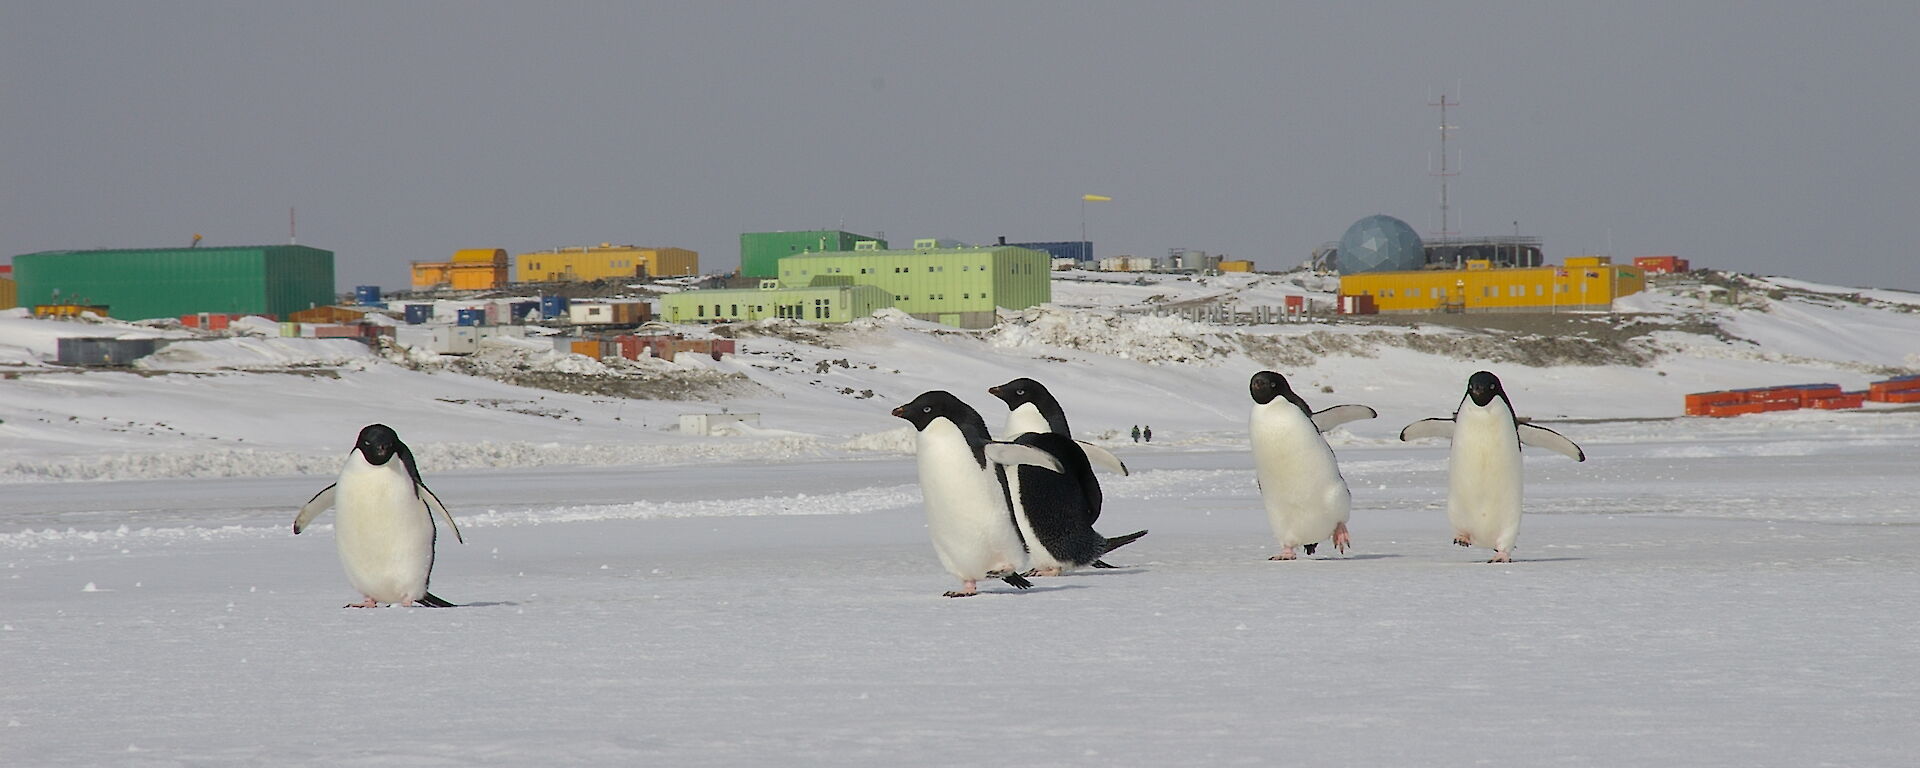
(367, 603)
(1501, 557)
(1285, 554)
(967, 588)
(1341, 541)
(1462, 540)
(1055, 571)
(959, 594)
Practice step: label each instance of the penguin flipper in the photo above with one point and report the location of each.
(312, 509)
(434, 505)
(1428, 428)
(1541, 437)
(1102, 458)
(1341, 414)
(432, 600)
(1016, 454)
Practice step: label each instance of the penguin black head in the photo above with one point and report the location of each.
(1267, 385)
(378, 443)
(1483, 387)
(939, 404)
(1024, 391)
(1021, 391)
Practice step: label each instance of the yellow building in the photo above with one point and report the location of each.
(1233, 265)
(604, 261)
(9, 290)
(473, 269)
(1584, 283)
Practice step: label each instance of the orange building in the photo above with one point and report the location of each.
(473, 269)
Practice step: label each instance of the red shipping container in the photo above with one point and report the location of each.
(1698, 402)
(1836, 403)
(1733, 409)
(1902, 396)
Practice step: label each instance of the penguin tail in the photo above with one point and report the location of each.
(1121, 541)
(1017, 580)
(1313, 546)
(432, 600)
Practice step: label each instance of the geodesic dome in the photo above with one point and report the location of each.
(1380, 243)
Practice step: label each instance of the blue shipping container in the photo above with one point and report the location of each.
(472, 317)
(366, 294)
(419, 313)
(553, 306)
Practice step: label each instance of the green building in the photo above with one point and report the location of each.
(951, 286)
(761, 252)
(822, 303)
(136, 284)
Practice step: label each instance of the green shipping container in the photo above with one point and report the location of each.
(761, 252)
(137, 284)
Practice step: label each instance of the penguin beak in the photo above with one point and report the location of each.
(900, 412)
(995, 391)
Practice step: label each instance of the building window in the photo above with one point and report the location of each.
(699, 310)
(1487, 291)
(1539, 290)
(735, 310)
(1516, 290)
(965, 267)
(1438, 293)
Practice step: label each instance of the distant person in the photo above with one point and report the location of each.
(1136, 433)
(1147, 433)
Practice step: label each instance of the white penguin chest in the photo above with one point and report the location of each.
(1288, 451)
(1024, 419)
(951, 478)
(383, 532)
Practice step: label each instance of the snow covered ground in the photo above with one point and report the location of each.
(1699, 592)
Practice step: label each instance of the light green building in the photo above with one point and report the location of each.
(822, 303)
(960, 287)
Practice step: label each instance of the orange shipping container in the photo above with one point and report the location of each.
(588, 347)
(1733, 409)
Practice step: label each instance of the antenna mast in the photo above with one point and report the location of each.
(1445, 230)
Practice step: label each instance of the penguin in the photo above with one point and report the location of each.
(385, 532)
(965, 490)
(1057, 511)
(1483, 466)
(1306, 498)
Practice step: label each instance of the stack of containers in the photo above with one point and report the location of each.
(1899, 389)
(1735, 402)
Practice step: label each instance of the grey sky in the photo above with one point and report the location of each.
(1766, 137)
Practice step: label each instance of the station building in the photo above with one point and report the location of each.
(606, 260)
(472, 269)
(1585, 283)
(143, 283)
(761, 252)
(961, 287)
